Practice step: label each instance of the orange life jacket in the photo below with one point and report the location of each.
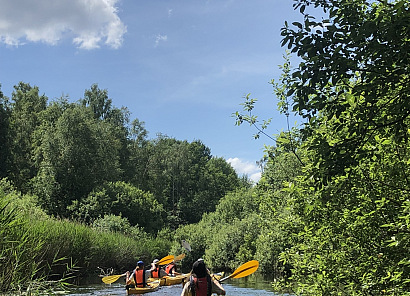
(155, 273)
(139, 278)
(201, 286)
(169, 268)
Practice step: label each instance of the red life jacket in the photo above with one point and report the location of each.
(201, 286)
(155, 273)
(169, 268)
(139, 278)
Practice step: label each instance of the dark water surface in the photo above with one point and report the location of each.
(233, 288)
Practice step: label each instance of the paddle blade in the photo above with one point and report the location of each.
(243, 270)
(179, 257)
(186, 245)
(166, 260)
(111, 278)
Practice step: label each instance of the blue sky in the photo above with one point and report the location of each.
(182, 67)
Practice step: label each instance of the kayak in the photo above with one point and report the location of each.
(173, 280)
(170, 280)
(217, 276)
(151, 287)
(179, 279)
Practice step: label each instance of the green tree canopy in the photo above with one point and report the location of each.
(352, 86)
(26, 105)
(74, 155)
(121, 199)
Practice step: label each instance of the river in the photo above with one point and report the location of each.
(232, 287)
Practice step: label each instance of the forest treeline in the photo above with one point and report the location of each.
(85, 160)
(330, 215)
(71, 170)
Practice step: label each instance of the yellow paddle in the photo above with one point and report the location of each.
(243, 270)
(166, 260)
(179, 257)
(113, 278)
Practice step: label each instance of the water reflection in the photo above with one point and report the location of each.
(233, 288)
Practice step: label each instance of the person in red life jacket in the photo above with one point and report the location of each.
(170, 269)
(156, 270)
(200, 282)
(138, 278)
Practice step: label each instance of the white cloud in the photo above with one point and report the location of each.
(88, 22)
(246, 168)
(160, 38)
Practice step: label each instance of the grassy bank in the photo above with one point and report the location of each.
(36, 249)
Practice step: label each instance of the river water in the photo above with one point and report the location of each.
(233, 287)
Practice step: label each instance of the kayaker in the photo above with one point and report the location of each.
(201, 283)
(156, 271)
(170, 269)
(138, 278)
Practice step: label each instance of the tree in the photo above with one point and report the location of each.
(97, 100)
(4, 139)
(183, 176)
(121, 199)
(74, 154)
(353, 87)
(216, 179)
(173, 173)
(355, 58)
(138, 147)
(26, 106)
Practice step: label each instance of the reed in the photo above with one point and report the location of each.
(17, 250)
(36, 250)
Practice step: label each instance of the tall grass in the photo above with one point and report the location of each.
(36, 249)
(17, 250)
(91, 250)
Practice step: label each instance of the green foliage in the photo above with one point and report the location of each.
(36, 250)
(83, 161)
(250, 118)
(25, 108)
(66, 153)
(352, 86)
(237, 205)
(183, 175)
(138, 207)
(112, 223)
(4, 127)
(88, 249)
(216, 179)
(21, 253)
(97, 100)
(233, 243)
(12, 252)
(73, 156)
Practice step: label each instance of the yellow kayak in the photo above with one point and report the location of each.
(179, 279)
(151, 287)
(171, 280)
(217, 276)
